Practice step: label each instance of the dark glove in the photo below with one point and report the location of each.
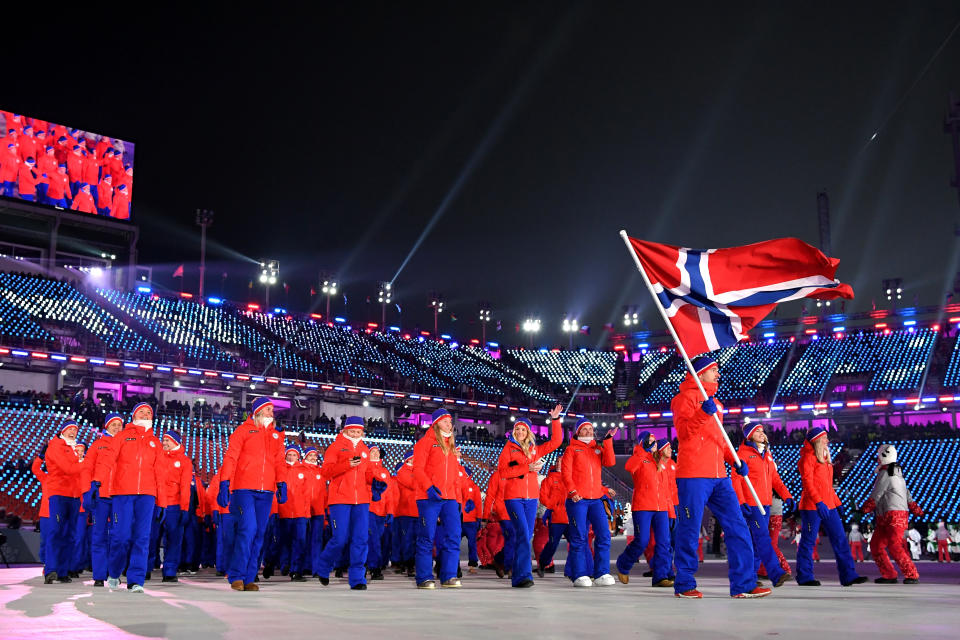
(434, 494)
(823, 510)
(223, 496)
(709, 407)
(159, 513)
(743, 469)
(513, 463)
(43, 450)
(87, 501)
(789, 505)
(547, 516)
(868, 506)
(915, 509)
(377, 487)
(281, 492)
(746, 510)
(468, 506)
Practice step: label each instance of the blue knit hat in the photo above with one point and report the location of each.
(111, 417)
(173, 435)
(524, 421)
(748, 429)
(140, 405)
(310, 449)
(353, 422)
(580, 423)
(66, 425)
(642, 437)
(703, 363)
(438, 415)
(815, 433)
(407, 454)
(291, 447)
(260, 403)
(662, 444)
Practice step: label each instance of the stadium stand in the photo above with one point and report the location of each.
(570, 369)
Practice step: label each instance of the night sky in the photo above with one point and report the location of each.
(529, 133)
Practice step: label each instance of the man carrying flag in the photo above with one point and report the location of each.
(710, 299)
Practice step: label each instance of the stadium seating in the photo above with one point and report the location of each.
(951, 379)
(571, 368)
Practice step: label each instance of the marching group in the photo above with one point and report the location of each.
(279, 507)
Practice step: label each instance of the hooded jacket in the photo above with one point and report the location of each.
(254, 458)
(133, 465)
(348, 485)
(514, 465)
(433, 468)
(701, 449)
(817, 480)
(647, 479)
(763, 475)
(582, 465)
(553, 495)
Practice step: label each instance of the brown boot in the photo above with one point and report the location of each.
(251, 587)
(237, 585)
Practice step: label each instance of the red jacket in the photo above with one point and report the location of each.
(59, 186)
(298, 491)
(63, 469)
(763, 475)
(27, 180)
(133, 464)
(83, 202)
(91, 170)
(37, 467)
(46, 164)
(489, 542)
(647, 479)
(210, 496)
(668, 485)
(317, 485)
(514, 466)
(701, 450)
(816, 479)
(494, 508)
(348, 485)
(9, 164)
(470, 491)
(75, 167)
(383, 506)
(104, 195)
(90, 465)
(28, 147)
(407, 490)
(581, 467)
(553, 495)
(433, 468)
(178, 470)
(254, 458)
(120, 209)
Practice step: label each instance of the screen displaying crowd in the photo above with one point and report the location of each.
(58, 166)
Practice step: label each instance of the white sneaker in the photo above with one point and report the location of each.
(606, 580)
(113, 583)
(136, 588)
(583, 581)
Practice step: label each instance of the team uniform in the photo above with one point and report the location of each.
(62, 486)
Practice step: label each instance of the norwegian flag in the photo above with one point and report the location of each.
(713, 297)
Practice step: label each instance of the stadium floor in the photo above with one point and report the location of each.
(203, 607)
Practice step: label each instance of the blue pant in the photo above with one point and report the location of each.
(226, 535)
(349, 525)
(557, 532)
(250, 510)
(375, 527)
(470, 530)
(407, 527)
(759, 526)
(448, 545)
(191, 539)
(29, 197)
(583, 515)
(293, 543)
(643, 521)
(44, 536)
(80, 557)
(838, 540)
(130, 536)
(316, 541)
(718, 494)
(7, 189)
(506, 528)
(172, 534)
(59, 548)
(523, 515)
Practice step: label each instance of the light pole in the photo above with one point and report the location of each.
(630, 316)
(384, 299)
(484, 319)
(570, 326)
(204, 219)
(893, 288)
(269, 272)
(436, 302)
(530, 327)
(329, 289)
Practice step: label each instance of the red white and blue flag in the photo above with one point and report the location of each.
(714, 297)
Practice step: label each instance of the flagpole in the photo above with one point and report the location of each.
(686, 360)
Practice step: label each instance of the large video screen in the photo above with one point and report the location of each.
(59, 166)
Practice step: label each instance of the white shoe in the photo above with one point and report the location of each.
(136, 588)
(606, 580)
(583, 581)
(113, 583)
